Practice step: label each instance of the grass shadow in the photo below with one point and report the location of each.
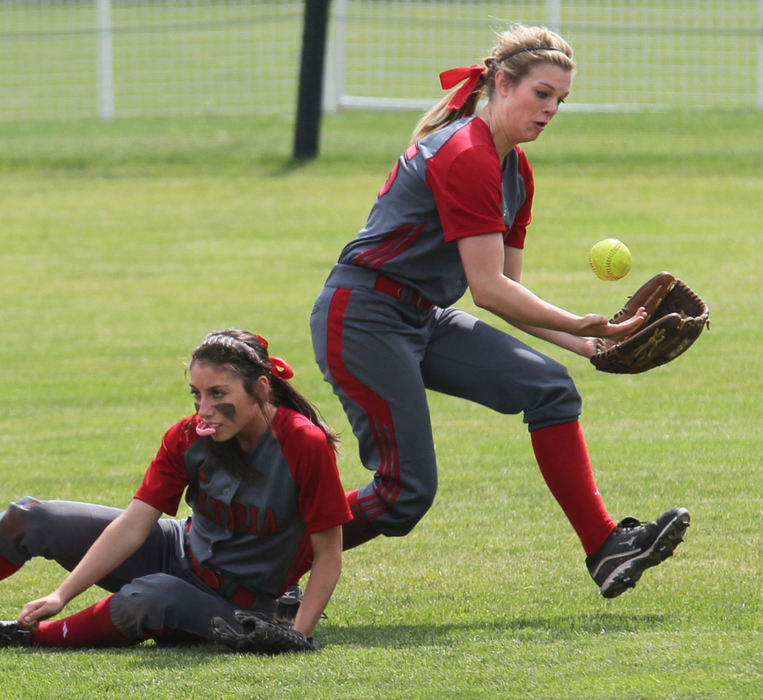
(530, 629)
(283, 167)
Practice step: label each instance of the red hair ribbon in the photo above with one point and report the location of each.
(262, 341)
(450, 78)
(280, 367)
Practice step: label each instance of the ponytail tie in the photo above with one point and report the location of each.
(280, 367)
(450, 78)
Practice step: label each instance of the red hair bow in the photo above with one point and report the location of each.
(450, 78)
(280, 367)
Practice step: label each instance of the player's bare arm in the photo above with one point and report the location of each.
(512, 268)
(491, 289)
(585, 346)
(117, 542)
(324, 574)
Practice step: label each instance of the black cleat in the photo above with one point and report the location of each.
(11, 635)
(633, 547)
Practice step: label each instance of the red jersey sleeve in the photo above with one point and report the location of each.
(467, 190)
(311, 459)
(167, 477)
(516, 235)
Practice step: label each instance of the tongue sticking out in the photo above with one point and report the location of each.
(203, 429)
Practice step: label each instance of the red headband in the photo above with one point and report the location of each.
(450, 78)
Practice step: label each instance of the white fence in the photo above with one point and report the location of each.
(631, 54)
(79, 58)
(82, 58)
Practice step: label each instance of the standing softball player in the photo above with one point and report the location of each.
(453, 215)
(258, 469)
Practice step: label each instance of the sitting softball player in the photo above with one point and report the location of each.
(258, 469)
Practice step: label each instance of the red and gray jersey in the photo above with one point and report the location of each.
(254, 531)
(449, 185)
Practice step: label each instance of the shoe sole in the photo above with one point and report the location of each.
(629, 572)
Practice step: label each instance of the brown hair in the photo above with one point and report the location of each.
(518, 50)
(246, 354)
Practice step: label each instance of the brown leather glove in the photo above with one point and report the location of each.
(675, 317)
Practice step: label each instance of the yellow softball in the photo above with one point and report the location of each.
(610, 259)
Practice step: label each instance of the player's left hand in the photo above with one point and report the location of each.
(590, 346)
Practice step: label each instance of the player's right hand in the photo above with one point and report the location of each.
(601, 327)
(40, 609)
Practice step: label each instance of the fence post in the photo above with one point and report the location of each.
(105, 67)
(760, 55)
(554, 12)
(336, 54)
(307, 130)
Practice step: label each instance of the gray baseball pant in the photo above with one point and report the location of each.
(380, 354)
(156, 593)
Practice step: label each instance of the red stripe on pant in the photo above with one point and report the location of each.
(354, 532)
(376, 408)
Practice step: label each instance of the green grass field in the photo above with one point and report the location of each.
(124, 242)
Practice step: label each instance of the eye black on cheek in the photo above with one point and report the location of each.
(228, 410)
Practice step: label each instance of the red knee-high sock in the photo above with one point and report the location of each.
(563, 460)
(8, 568)
(92, 627)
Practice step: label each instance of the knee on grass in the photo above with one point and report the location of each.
(20, 518)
